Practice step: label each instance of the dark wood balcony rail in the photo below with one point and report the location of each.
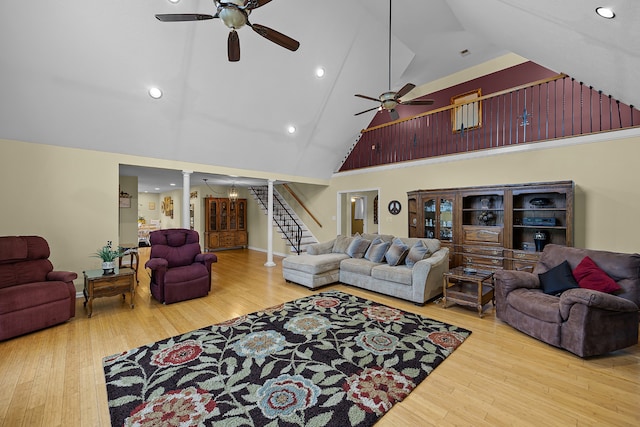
(544, 110)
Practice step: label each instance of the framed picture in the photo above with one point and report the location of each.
(152, 206)
(468, 115)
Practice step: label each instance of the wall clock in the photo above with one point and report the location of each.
(394, 207)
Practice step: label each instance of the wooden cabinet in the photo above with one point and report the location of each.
(431, 215)
(495, 227)
(225, 223)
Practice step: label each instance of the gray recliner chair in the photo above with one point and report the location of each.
(583, 321)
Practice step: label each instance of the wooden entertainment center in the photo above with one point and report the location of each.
(495, 227)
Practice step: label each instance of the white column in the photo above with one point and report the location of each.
(270, 262)
(186, 196)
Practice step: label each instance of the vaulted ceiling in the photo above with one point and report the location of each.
(75, 73)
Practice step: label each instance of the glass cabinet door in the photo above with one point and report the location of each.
(446, 219)
(430, 219)
(438, 218)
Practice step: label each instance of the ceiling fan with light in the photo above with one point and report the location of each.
(390, 99)
(235, 15)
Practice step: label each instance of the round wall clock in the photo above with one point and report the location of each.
(394, 207)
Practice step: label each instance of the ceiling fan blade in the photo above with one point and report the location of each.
(405, 90)
(368, 97)
(233, 46)
(366, 111)
(276, 37)
(178, 17)
(418, 102)
(394, 115)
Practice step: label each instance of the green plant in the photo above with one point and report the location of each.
(107, 253)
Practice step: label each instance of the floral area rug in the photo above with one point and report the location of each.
(331, 359)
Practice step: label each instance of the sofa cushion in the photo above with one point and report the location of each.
(186, 273)
(590, 276)
(417, 252)
(358, 247)
(397, 252)
(341, 244)
(432, 244)
(536, 304)
(398, 274)
(357, 266)
(16, 298)
(376, 250)
(558, 279)
(314, 264)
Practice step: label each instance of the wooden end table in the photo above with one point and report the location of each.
(468, 287)
(97, 285)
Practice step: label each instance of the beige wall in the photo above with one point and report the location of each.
(70, 196)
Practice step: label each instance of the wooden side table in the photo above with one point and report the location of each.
(468, 287)
(97, 285)
(131, 250)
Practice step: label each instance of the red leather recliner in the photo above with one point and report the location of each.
(179, 270)
(32, 295)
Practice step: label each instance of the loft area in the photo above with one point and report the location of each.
(550, 108)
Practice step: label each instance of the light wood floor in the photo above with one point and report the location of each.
(497, 377)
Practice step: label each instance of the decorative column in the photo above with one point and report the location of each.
(186, 195)
(270, 262)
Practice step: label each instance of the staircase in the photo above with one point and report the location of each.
(290, 226)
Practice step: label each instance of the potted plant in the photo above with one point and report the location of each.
(108, 255)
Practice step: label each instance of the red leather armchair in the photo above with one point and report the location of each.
(179, 270)
(32, 295)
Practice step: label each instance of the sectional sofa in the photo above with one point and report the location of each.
(407, 268)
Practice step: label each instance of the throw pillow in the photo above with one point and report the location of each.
(590, 276)
(558, 279)
(358, 247)
(376, 251)
(397, 252)
(416, 253)
(432, 244)
(341, 244)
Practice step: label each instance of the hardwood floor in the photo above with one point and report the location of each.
(499, 376)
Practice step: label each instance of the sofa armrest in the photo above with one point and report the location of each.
(427, 273)
(509, 280)
(63, 276)
(594, 299)
(206, 258)
(157, 264)
(321, 248)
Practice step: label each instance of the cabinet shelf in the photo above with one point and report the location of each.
(546, 227)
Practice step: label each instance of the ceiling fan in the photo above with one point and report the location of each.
(390, 99)
(235, 14)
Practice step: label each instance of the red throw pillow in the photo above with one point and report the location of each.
(590, 276)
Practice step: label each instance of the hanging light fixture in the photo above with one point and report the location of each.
(233, 193)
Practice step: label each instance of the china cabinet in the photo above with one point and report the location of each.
(225, 223)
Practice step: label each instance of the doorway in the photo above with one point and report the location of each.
(357, 212)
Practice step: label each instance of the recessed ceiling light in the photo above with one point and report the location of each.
(320, 71)
(172, 184)
(291, 129)
(174, 1)
(155, 93)
(605, 12)
(157, 188)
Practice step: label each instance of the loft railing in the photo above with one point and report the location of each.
(548, 109)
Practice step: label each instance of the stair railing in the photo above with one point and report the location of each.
(286, 222)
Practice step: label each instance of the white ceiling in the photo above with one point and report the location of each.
(75, 73)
